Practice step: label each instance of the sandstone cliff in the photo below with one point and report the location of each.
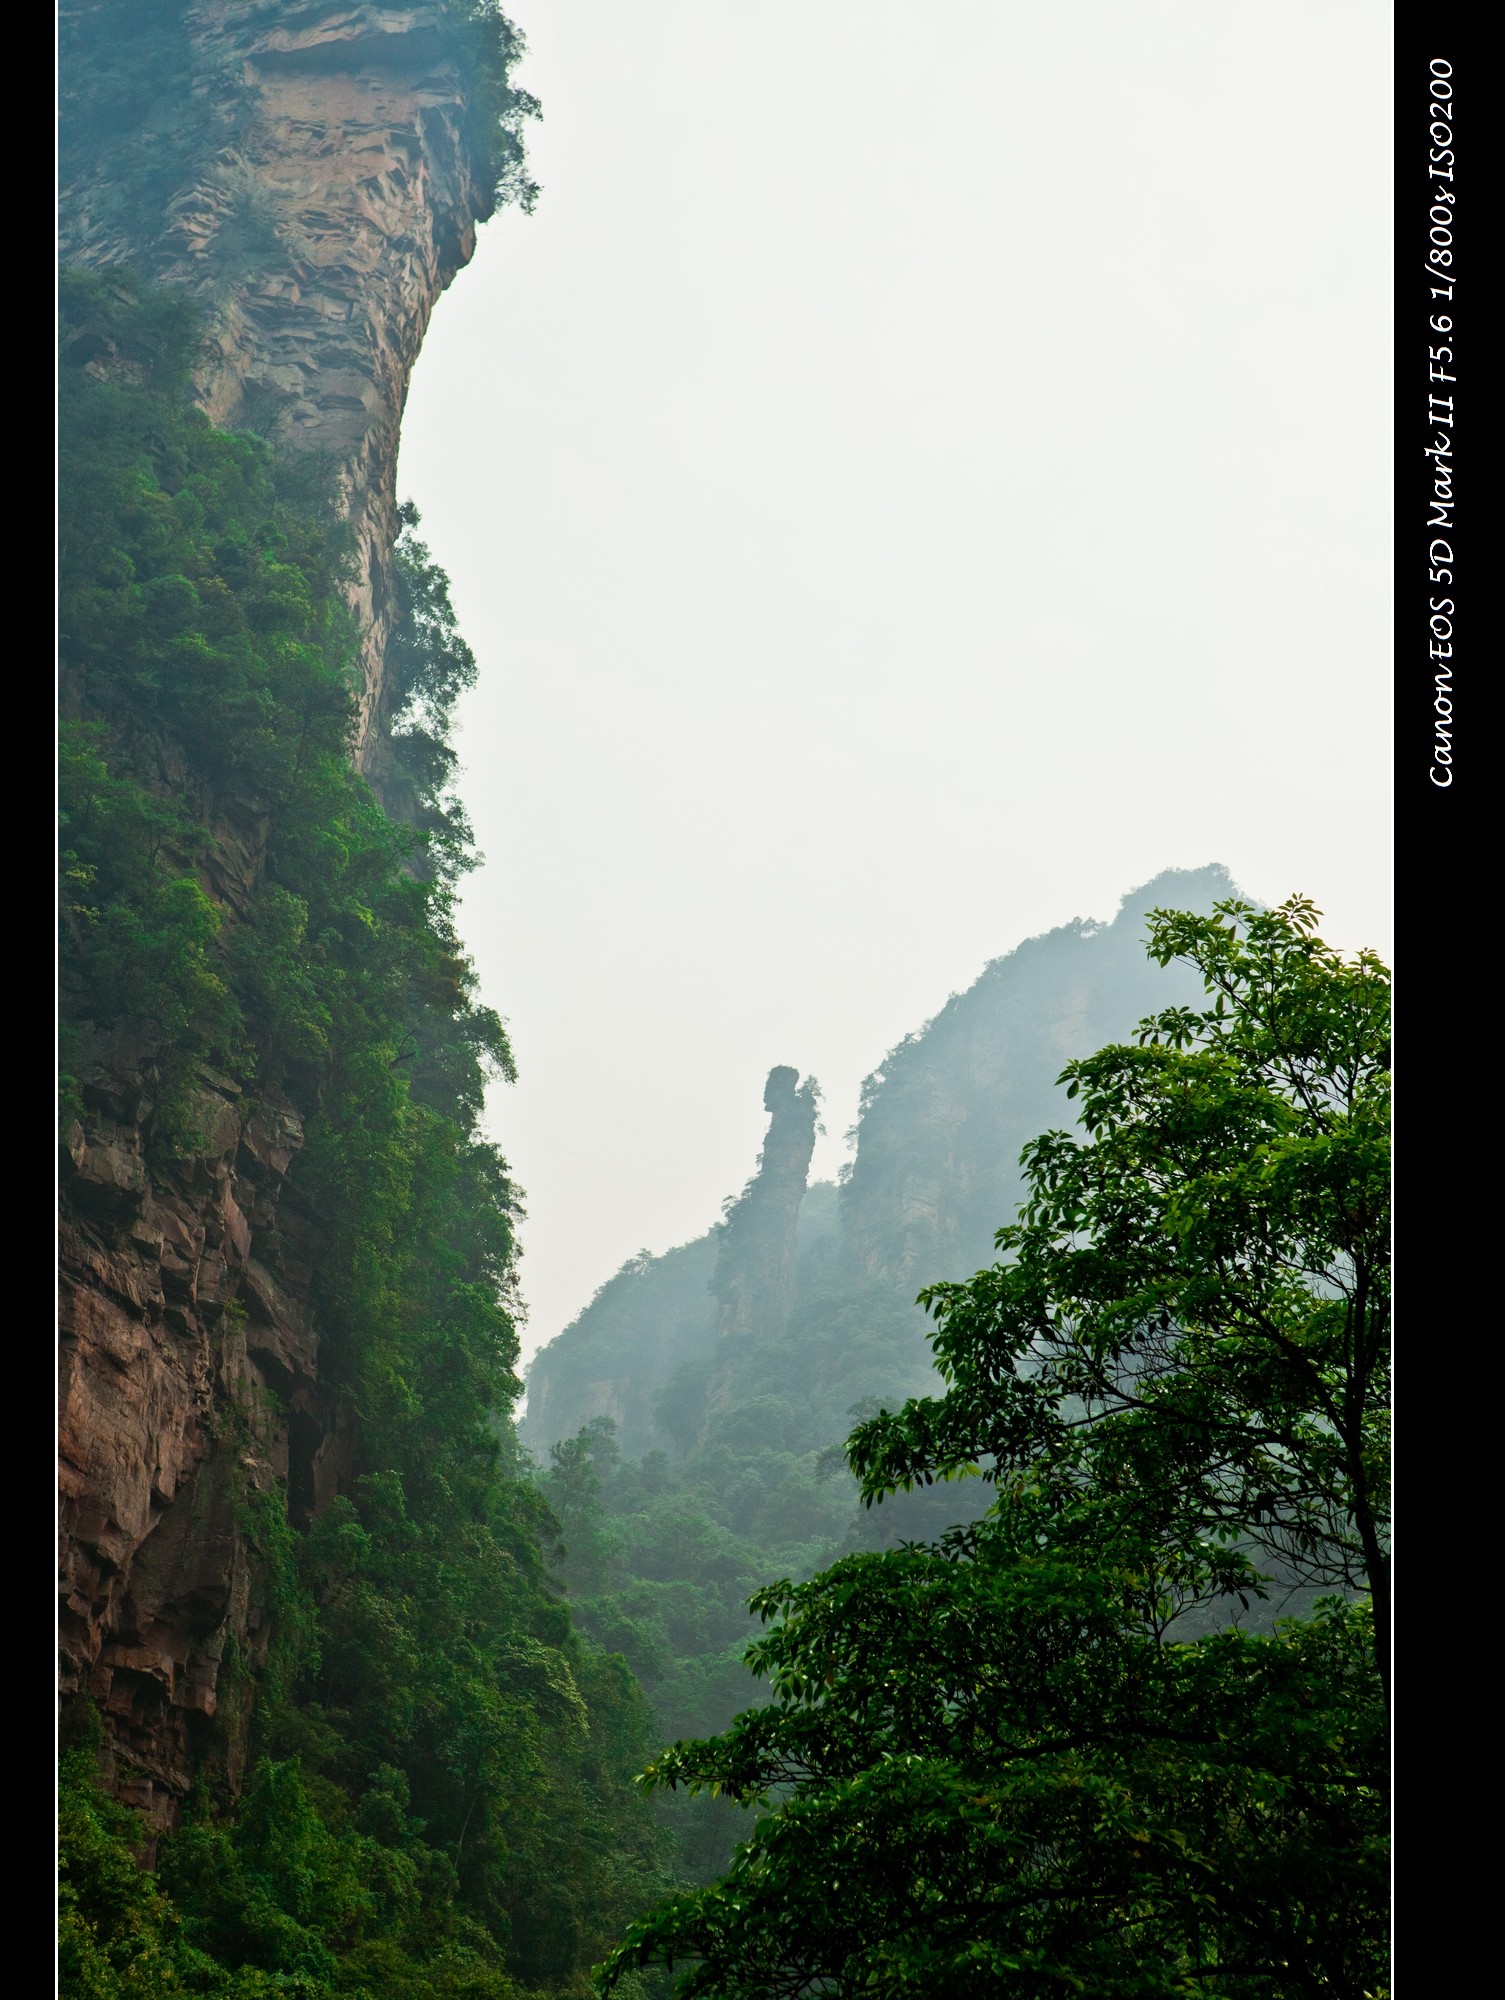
(311, 175)
(189, 1384)
(308, 172)
(656, 1348)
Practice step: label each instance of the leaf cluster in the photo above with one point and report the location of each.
(499, 110)
(1191, 1316)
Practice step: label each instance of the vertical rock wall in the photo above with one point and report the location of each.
(303, 171)
(189, 1387)
(189, 1384)
(305, 175)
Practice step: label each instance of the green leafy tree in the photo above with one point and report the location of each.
(1049, 1752)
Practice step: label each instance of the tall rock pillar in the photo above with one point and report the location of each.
(755, 1263)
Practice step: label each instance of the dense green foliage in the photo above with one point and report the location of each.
(1000, 1763)
(663, 1552)
(442, 1800)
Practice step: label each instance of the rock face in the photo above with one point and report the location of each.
(182, 1312)
(675, 1322)
(306, 172)
(303, 171)
(189, 1387)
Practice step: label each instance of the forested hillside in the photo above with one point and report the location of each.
(936, 1164)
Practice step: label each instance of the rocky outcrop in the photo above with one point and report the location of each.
(189, 1387)
(754, 1278)
(304, 173)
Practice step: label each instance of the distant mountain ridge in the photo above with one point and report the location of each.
(940, 1128)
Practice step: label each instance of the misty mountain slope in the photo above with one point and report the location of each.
(945, 1116)
(689, 1423)
(941, 1126)
(654, 1317)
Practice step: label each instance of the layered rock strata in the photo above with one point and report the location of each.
(189, 1385)
(311, 186)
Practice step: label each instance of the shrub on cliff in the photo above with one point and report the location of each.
(498, 110)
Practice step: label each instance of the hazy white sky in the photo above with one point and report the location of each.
(921, 471)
